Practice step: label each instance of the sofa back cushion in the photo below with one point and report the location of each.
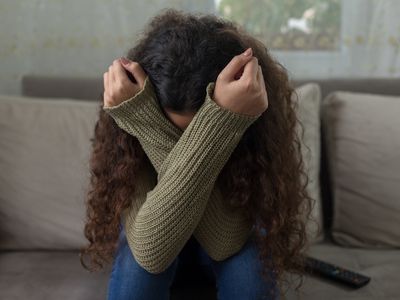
(44, 152)
(378, 85)
(363, 143)
(85, 88)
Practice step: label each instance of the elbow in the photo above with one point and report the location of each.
(219, 253)
(150, 260)
(224, 251)
(154, 266)
(221, 256)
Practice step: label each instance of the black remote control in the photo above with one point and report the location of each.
(334, 272)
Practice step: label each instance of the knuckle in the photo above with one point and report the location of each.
(119, 87)
(135, 66)
(237, 58)
(248, 84)
(124, 82)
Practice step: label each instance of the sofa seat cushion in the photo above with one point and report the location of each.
(383, 266)
(59, 275)
(48, 275)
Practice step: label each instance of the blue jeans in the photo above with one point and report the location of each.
(237, 277)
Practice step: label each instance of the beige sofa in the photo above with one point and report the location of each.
(44, 148)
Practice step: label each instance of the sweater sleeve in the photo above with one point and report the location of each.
(221, 232)
(142, 117)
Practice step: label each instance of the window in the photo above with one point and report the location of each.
(317, 39)
(288, 24)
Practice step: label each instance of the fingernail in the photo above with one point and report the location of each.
(247, 52)
(124, 60)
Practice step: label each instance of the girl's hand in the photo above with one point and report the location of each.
(246, 95)
(117, 85)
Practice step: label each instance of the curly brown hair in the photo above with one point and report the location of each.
(181, 53)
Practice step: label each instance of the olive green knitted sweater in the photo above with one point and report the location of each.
(181, 199)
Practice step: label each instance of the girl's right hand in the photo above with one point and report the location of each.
(246, 95)
(117, 85)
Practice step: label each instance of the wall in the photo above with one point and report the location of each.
(72, 38)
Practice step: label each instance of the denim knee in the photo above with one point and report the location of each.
(240, 277)
(128, 280)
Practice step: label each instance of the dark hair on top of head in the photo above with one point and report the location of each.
(182, 53)
(264, 177)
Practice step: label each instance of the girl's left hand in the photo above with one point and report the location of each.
(117, 85)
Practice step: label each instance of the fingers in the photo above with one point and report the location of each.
(119, 72)
(234, 66)
(250, 70)
(136, 70)
(106, 86)
(260, 78)
(105, 81)
(111, 78)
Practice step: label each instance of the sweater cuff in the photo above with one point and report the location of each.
(228, 120)
(134, 103)
(137, 102)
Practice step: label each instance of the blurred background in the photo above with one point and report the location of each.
(312, 38)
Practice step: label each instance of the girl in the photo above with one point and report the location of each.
(196, 148)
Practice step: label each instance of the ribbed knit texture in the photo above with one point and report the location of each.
(184, 199)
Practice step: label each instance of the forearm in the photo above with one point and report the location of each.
(222, 232)
(142, 117)
(175, 206)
